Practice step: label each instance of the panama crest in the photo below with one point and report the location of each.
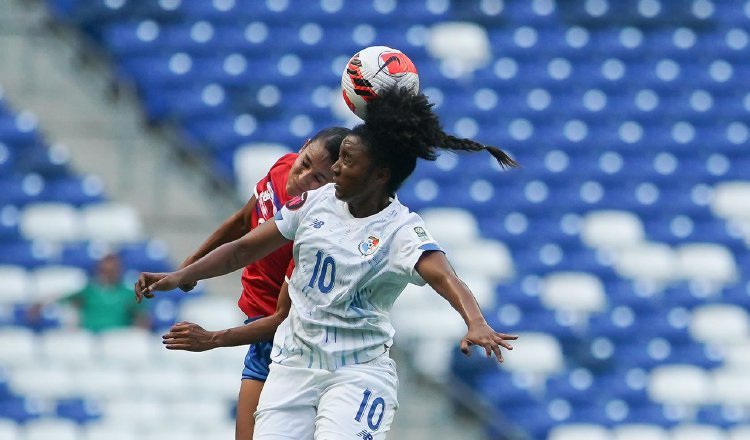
(369, 246)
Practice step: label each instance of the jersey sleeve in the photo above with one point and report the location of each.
(411, 241)
(277, 177)
(289, 217)
(289, 270)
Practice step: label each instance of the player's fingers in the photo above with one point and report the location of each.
(137, 290)
(488, 349)
(500, 341)
(465, 347)
(506, 336)
(498, 353)
(184, 347)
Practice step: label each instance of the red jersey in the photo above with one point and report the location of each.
(262, 280)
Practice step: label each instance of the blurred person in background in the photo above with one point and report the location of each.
(105, 303)
(262, 281)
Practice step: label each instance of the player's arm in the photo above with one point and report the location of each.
(192, 337)
(233, 228)
(435, 269)
(225, 259)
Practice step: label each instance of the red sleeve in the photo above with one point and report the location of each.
(277, 176)
(290, 269)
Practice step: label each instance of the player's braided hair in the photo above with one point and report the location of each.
(401, 127)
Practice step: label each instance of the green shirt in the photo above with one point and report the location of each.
(105, 307)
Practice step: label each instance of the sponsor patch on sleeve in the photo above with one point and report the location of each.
(296, 202)
(421, 233)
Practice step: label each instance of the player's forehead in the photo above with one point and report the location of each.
(353, 144)
(316, 152)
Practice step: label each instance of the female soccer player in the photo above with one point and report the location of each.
(289, 177)
(355, 249)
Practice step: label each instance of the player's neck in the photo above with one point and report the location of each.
(368, 206)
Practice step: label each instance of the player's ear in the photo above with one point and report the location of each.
(383, 176)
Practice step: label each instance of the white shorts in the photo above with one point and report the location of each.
(351, 403)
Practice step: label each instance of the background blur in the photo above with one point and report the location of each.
(619, 251)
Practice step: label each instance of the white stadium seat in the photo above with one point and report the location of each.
(111, 223)
(54, 282)
(451, 227)
(18, 348)
(212, 313)
(50, 222)
(732, 386)
(15, 285)
(731, 200)
(639, 432)
(707, 262)
(486, 258)
(144, 413)
(737, 355)
(535, 353)
(216, 384)
(127, 347)
(9, 430)
(464, 45)
(104, 431)
(698, 432)
(573, 291)
(104, 382)
(46, 382)
(647, 262)
(155, 381)
(581, 431)
(251, 163)
(680, 384)
(741, 432)
(47, 429)
(612, 229)
(68, 347)
(199, 414)
(170, 433)
(720, 323)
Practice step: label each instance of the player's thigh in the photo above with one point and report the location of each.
(247, 403)
(286, 408)
(360, 403)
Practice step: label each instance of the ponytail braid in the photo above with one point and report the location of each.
(449, 142)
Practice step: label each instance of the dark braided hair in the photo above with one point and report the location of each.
(401, 127)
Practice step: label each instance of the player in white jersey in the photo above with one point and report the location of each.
(356, 248)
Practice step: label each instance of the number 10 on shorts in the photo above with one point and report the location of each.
(376, 409)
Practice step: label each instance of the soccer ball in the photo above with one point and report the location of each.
(373, 69)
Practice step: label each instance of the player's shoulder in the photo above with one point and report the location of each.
(284, 164)
(315, 196)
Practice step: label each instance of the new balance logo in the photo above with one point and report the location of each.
(317, 223)
(365, 435)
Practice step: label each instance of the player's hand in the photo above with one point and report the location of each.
(187, 287)
(189, 337)
(485, 336)
(148, 283)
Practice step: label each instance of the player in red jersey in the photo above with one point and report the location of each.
(262, 281)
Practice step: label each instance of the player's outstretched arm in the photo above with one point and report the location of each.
(435, 269)
(192, 337)
(227, 258)
(233, 228)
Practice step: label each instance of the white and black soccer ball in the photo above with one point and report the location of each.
(372, 70)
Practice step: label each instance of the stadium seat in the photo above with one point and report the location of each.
(9, 430)
(574, 292)
(579, 432)
(697, 432)
(16, 285)
(46, 382)
(212, 313)
(648, 262)
(155, 382)
(612, 229)
(452, 228)
(51, 222)
(126, 347)
(251, 164)
(19, 347)
(462, 46)
(731, 386)
(55, 282)
(737, 355)
(484, 258)
(199, 414)
(639, 432)
(539, 354)
(706, 262)
(146, 413)
(739, 432)
(720, 324)
(44, 429)
(680, 385)
(101, 381)
(111, 223)
(105, 431)
(730, 200)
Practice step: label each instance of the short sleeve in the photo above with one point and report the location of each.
(411, 241)
(289, 217)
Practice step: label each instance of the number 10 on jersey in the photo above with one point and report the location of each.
(324, 272)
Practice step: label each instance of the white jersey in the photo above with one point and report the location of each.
(348, 272)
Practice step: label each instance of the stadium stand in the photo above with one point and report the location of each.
(619, 251)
